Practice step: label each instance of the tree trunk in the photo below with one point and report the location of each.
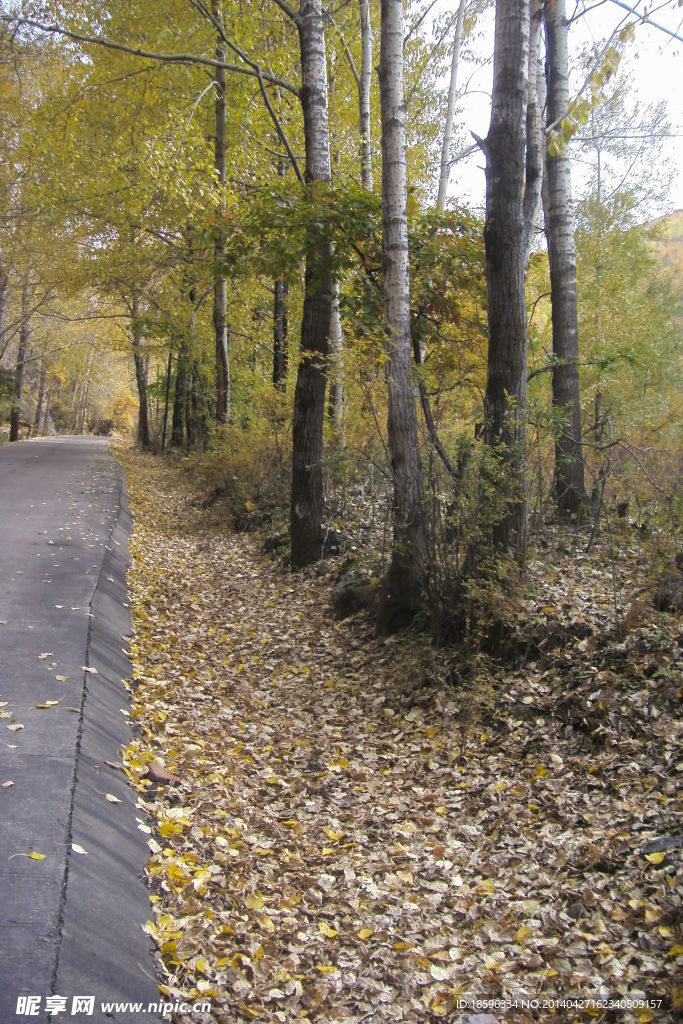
(166, 398)
(220, 286)
(335, 406)
(24, 337)
(535, 134)
(280, 333)
(445, 169)
(41, 397)
(309, 398)
(505, 396)
(402, 588)
(189, 418)
(82, 415)
(140, 378)
(364, 83)
(4, 285)
(569, 469)
(179, 402)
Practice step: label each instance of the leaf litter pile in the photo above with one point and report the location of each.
(338, 833)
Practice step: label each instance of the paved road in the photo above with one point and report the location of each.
(70, 924)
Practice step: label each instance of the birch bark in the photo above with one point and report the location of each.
(445, 168)
(309, 397)
(220, 286)
(364, 83)
(569, 469)
(402, 587)
(140, 378)
(505, 396)
(22, 353)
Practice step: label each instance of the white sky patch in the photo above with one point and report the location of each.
(654, 60)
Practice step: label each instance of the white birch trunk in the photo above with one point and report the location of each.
(364, 84)
(22, 354)
(569, 469)
(402, 588)
(220, 285)
(445, 170)
(505, 396)
(309, 398)
(535, 134)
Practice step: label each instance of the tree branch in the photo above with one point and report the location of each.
(162, 58)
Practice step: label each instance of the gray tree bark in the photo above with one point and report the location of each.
(280, 350)
(309, 398)
(569, 468)
(364, 83)
(535, 133)
(505, 396)
(22, 353)
(402, 588)
(220, 285)
(41, 397)
(179, 402)
(445, 167)
(140, 378)
(336, 365)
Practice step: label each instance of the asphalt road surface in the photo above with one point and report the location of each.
(70, 922)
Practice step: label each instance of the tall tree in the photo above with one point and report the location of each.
(403, 585)
(505, 395)
(535, 129)
(22, 354)
(559, 226)
(364, 82)
(309, 398)
(220, 285)
(140, 373)
(445, 166)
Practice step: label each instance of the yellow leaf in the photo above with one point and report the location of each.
(331, 834)
(170, 828)
(36, 856)
(494, 965)
(675, 950)
(655, 858)
(367, 933)
(540, 772)
(441, 810)
(523, 933)
(645, 1016)
(326, 930)
(254, 902)
(202, 964)
(326, 968)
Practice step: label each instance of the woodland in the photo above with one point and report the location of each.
(406, 569)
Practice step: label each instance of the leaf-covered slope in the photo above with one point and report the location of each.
(337, 836)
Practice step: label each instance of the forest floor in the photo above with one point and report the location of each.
(339, 833)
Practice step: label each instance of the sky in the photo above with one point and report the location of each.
(654, 58)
